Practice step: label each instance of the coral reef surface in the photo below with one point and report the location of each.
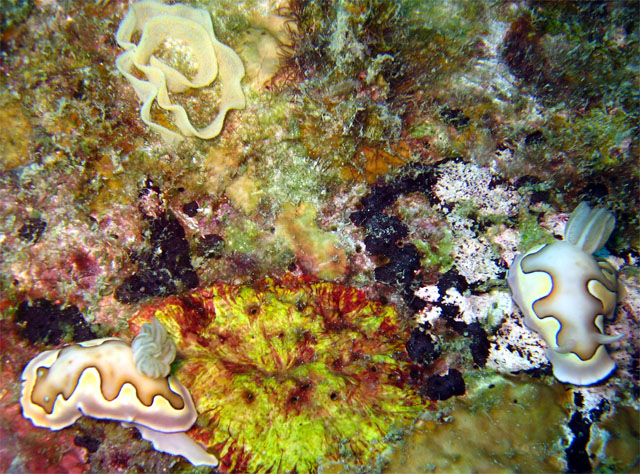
(361, 211)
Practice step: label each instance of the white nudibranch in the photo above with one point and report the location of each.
(566, 294)
(99, 379)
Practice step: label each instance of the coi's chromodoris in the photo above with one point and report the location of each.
(566, 294)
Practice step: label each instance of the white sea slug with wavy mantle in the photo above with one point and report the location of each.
(107, 379)
(566, 295)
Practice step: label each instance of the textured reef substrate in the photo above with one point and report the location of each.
(403, 152)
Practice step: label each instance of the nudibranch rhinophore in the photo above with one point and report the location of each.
(99, 379)
(566, 294)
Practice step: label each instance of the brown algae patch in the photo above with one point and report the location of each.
(15, 137)
(502, 422)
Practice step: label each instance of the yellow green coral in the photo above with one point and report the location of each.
(503, 425)
(288, 375)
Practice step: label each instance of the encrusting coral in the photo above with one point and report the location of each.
(290, 374)
(99, 379)
(448, 439)
(565, 295)
(189, 32)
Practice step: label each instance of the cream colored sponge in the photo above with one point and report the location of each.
(190, 30)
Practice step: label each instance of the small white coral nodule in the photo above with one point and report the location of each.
(565, 295)
(182, 27)
(99, 379)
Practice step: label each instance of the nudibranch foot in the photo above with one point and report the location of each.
(177, 444)
(569, 368)
(605, 339)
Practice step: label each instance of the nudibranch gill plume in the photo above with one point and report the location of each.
(566, 294)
